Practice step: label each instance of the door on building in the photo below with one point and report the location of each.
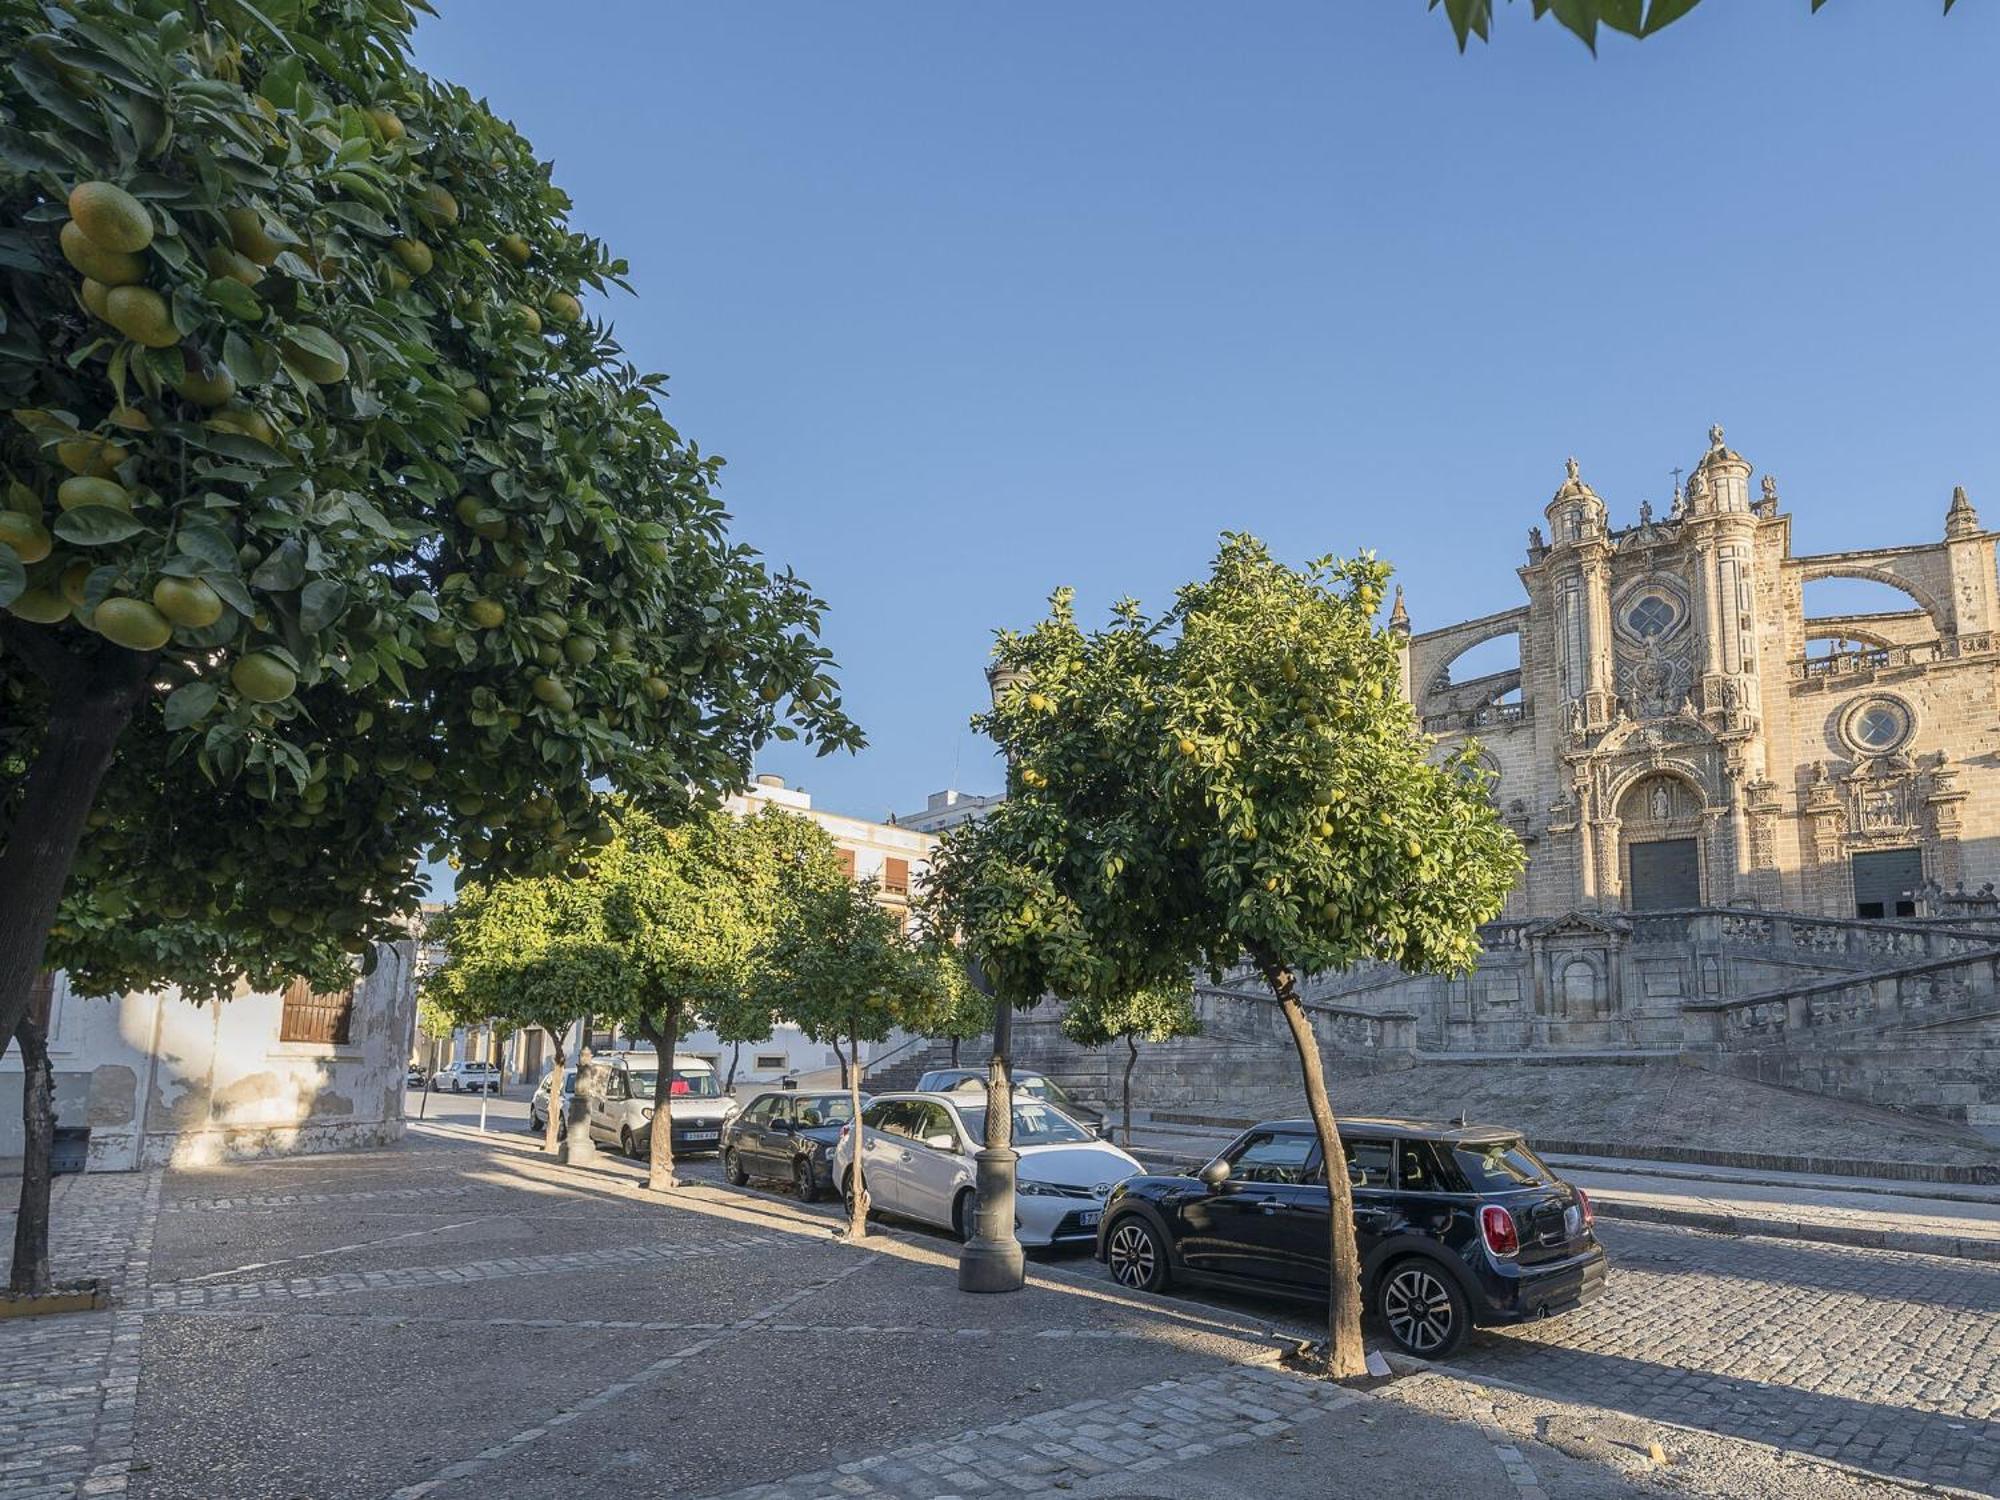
(1664, 873)
(1885, 882)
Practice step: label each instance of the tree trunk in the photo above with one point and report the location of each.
(1345, 1355)
(1000, 1081)
(735, 1057)
(1131, 1061)
(89, 712)
(665, 1036)
(841, 1053)
(954, 1052)
(553, 1126)
(857, 1213)
(38, 1130)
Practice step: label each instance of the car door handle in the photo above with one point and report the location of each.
(1270, 1205)
(905, 1156)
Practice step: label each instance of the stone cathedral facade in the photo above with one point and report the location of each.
(1680, 734)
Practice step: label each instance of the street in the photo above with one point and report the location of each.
(1889, 1362)
(458, 1315)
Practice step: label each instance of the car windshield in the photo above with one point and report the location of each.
(824, 1109)
(1500, 1166)
(1035, 1124)
(685, 1085)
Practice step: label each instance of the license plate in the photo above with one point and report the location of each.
(704, 1135)
(1089, 1217)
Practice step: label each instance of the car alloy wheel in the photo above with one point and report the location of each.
(732, 1168)
(803, 1186)
(1423, 1312)
(1136, 1257)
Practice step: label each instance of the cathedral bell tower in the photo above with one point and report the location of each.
(1580, 581)
(1722, 530)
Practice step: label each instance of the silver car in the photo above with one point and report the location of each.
(917, 1163)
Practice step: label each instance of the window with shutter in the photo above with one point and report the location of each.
(311, 1017)
(846, 857)
(896, 877)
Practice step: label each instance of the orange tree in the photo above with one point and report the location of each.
(1148, 1015)
(1237, 779)
(843, 968)
(333, 531)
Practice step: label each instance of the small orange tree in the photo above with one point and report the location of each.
(1238, 778)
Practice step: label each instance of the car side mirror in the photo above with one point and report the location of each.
(1214, 1174)
(941, 1142)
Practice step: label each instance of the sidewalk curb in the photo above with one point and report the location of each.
(1980, 1174)
(1761, 1227)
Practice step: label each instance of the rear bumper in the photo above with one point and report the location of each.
(1519, 1294)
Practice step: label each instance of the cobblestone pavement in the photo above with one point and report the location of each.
(68, 1384)
(1169, 1422)
(1886, 1361)
(457, 1318)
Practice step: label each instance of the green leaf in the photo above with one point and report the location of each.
(321, 603)
(13, 577)
(96, 525)
(207, 545)
(189, 704)
(1663, 13)
(236, 299)
(284, 569)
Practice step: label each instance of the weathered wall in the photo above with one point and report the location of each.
(163, 1082)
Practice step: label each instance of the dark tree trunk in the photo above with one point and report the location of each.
(664, 1034)
(857, 1210)
(841, 1053)
(92, 706)
(954, 1052)
(38, 1129)
(1345, 1355)
(553, 1127)
(1131, 1061)
(735, 1057)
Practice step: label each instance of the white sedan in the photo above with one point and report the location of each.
(917, 1163)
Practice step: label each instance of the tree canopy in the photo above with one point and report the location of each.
(842, 968)
(336, 531)
(1634, 18)
(1238, 777)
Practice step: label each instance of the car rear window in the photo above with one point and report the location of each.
(1500, 1166)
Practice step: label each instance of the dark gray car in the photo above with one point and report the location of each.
(788, 1136)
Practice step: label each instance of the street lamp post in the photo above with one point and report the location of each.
(991, 1260)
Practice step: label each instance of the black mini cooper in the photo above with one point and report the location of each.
(1457, 1226)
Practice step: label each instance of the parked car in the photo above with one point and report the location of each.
(417, 1077)
(467, 1078)
(917, 1152)
(538, 1105)
(617, 1088)
(1457, 1226)
(789, 1136)
(1026, 1081)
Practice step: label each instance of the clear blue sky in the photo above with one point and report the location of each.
(982, 299)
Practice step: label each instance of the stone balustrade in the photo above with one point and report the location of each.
(1939, 989)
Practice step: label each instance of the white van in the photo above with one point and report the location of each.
(617, 1089)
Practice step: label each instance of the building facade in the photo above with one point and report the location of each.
(163, 1081)
(1680, 733)
(948, 809)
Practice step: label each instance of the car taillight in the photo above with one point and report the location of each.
(1589, 1213)
(1496, 1227)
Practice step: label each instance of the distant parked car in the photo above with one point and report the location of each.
(917, 1163)
(1026, 1081)
(538, 1105)
(618, 1090)
(789, 1136)
(1457, 1226)
(467, 1078)
(417, 1077)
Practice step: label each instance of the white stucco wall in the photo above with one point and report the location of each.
(164, 1082)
